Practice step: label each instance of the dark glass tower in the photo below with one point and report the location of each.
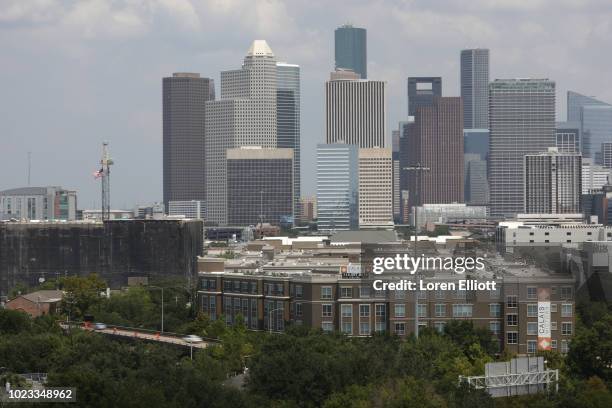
(422, 91)
(351, 50)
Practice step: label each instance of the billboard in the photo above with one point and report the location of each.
(544, 336)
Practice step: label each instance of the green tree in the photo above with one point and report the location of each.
(81, 294)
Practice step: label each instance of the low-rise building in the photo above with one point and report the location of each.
(37, 303)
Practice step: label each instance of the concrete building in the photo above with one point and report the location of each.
(151, 211)
(436, 141)
(38, 203)
(567, 136)
(356, 112)
(259, 186)
(449, 213)
(475, 88)
(552, 182)
(595, 118)
(337, 187)
(245, 115)
(518, 233)
(184, 98)
(594, 177)
(422, 91)
(96, 215)
(288, 118)
(351, 49)
(193, 209)
(522, 121)
(375, 188)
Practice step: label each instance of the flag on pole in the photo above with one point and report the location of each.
(98, 174)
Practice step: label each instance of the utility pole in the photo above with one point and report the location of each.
(106, 162)
(418, 169)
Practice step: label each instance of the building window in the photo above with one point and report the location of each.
(346, 292)
(327, 327)
(299, 291)
(564, 346)
(422, 294)
(462, 310)
(532, 292)
(347, 327)
(298, 309)
(400, 294)
(512, 319)
(532, 328)
(400, 329)
(553, 325)
(494, 310)
(532, 310)
(364, 291)
(440, 310)
(512, 337)
(380, 317)
(531, 346)
(326, 292)
(566, 292)
(400, 310)
(364, 328)
(566, 310)
(422, 310)
(327, 310)
(494, 293)
(347, 310)
(511, 301)
(495, 327)
(566, 328)
(440, 294)
(553, 308)
(553, 344)
(460, 294)
(439, 326)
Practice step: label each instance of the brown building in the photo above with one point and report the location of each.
(436, 141)
(37, 303)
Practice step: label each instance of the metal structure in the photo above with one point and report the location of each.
(106, 162)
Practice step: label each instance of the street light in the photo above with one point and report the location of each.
(162, 299)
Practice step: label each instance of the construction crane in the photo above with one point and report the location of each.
(104, 174)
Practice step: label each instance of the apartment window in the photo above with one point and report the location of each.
(531, 346)
(326, 292)
(532, 328)
(566, 292)
(512, 337)
(553, 308)
(460, 294)
(400, 310)
(298, 309)
(532, 292)
(400, 294)
(462, 310)
(299, 291)
(566, 328)
(400, 329)
(347, 310)
(364, 291)
(422, 295)
(495, 327)
(346, 292)
(327, 310)
(553, 344)
(511, 301)
(439, 326)
(440, 310)
(364, 328)
(564, 346)
(494, 293)
(347, 327)
(512, 319)
(566, 310)
(494, 310)
(422, 310)
(553, 325)
(327, 327)
(364, 310)
(532, 310)
(440, 294)
(380, 317)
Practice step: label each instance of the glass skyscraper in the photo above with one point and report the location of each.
(351, 49)
(475, 88)
(595, 119)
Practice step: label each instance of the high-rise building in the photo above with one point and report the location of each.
(522, 121)
(375, 188)
(567, 136)
(476, 149)
(308, 209)
(436, 141)
(184, 98)
(38, 203)
(606, 155)
(288, 118)
(337, 187)
(355, 112)
(594, 176)
(475, 88)
(351, 49)
(259, 186)
(595, 118)
(395, 155)
(245, 115)
(552, 182)
(422, 91)
(404, 161)
(192, 209)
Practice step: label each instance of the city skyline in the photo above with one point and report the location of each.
(75, 112)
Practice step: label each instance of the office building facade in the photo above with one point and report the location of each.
(594, 176)
(567, 135)
(422, 91)
(351, 49)
(184, 171)
(475, 88)
(193, 209)
(595, 119)
(476, 176)
(38, 203)
(375, 188)
(337, 187)
(522, 121)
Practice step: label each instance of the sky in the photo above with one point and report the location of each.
(74, 73)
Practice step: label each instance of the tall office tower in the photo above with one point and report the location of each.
(552, 182)
(522, 121)
(244, 116)
(404, 161)
(595, 118)
(259, 186)
(606, 155)
(436, 141)
(375, 188)
(288, 119)
(184, 98)
(395, 155)
(475, 88)
(190, 209)
(594, 176)
(422, 91)
(476, 177)
(351, 49)
(337, 187)
(356, 112)
(567, 135)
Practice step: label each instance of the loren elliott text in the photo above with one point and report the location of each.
(463, 284)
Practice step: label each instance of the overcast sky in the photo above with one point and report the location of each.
(76, 72)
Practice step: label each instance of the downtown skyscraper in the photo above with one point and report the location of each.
(522, 122)
(475, 88)
(184, 98)
(351, 49)
(594, 118)
(422, 91)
